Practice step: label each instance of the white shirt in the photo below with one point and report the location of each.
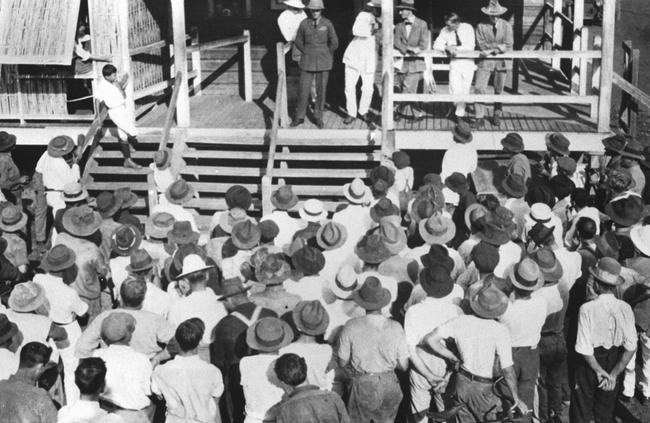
(288, 22)
(34, 327)
(287, 226)
(403, 179)
(83, 411)
(552, 296)
(110, 94)
(8, 363)
(361, 52)
(465, 249)
(156, 250)
(260, 384)
(162, 178)
(56, 172)
(156, 300)
(179, 212)
(65, 304)
(571, 262)
(231, 266)
(509, 255)
(461, 158)
(423, 318)
(356, 220)
(128, 376)
(524, 319)
(202, 304)
(308, 288)
(447, 38)
(339, 312)
(318, 358)
(590, 212)
(118, 271)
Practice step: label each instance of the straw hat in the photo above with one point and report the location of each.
(140, 260)
(73, 192)
(313, 210)
(357, 192)
(245, 235)
(125, 239)
(81, 221)
(558, 142)
(513, 143)
(179, 192)
(437, 230)
(269, 334)
(108, 204)
(640, 236)
(331, 236)
(7, 141)
(371, 249)
(384, 207)
(27, 297)
(345, 282)
(127, 197)
(489, 302)
(193, 263)
(607, 271)
(60, 146)
(548, 264)
(311, 318)
(273, 270)
(159, 224)
(297, 4)
(283, 198)
(526, 275)
(182, 233)
(494, 9)
(393, 236)
(58, 258)
(12, 219)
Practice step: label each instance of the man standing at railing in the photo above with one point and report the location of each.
(493, 37)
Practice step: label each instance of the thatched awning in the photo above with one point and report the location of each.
(38, 32)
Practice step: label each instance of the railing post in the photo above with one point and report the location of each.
(578, 23)
(557, 31)
(634, 80)
(125, 54)
(387, 65)
(180, 63)
(584, 63)
(282, 70)
(607, 65)
(246, 64)
(267, 207)
(196, 62)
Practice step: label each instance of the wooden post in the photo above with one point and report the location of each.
(595, 65)
(281, 64)
(387, 71)
(180, 63)
(607, 65)
(557, 31)
(634, 79)
(125, 54)
(578, 23)
(584, 63)
(246, 66)
(196, 62)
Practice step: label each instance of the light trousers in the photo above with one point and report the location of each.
(642, 373)
(460, 82)
(352, 76)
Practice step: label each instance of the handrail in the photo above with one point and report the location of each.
(225, 42)
(169, 117)
(639, 96)
(517, 54)
(267, 179)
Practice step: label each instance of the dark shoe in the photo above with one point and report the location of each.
(348, 120)
(130, 164)
(319, 123)
(368, 120)
(478, 123)
(297, 122)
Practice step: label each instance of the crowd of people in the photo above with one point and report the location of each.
(408, 299)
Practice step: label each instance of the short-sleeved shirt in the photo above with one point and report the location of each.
(318, 358)
(56, 172)
(83, 411)
(461, 158)
(524, 319)
(424, 317)
(65, 304)
(202, 304)
(21, 401)
(8, 363)
(372, 344)
(110, 94)
(128, 376)
(479, 341)
(287, 226)
(261, 386)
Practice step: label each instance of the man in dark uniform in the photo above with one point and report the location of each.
(317, 41)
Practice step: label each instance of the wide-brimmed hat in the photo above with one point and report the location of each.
(12, 219)
(269, 334)
(140, 260)
(626, 211)
(513, 143)
(81, 221)
(608, 245)
(273, 270)
(308, 260)
(73, 192)
(27, 297)
(159, 224)
(540, 213)
(193, 263)
(313, 210)
(438, 255)
(393, 236)
(58, 258)
(640, 236)
(436, 281)
(179, 192)
(566, 165)
(231, 287)
(526, 275)
(437, 229)
(357, 192)
(7, 141)
(383, 208)
(514, 185)
(548, 263)
(311, 318)
(245, 235)
(485, 257)
(422, 208)
(474, 213)
(540, 234)
(298, 4)
(125, 239)
(503, 216)
(161, 158)
(238, 196)
(230, 218)
(331, 235)
(406, 4)
(182, 233)
(495, 233)
(108, 204)
(126, 196)
(117, 326)
(382, 173)
(607, 271)
(558, 142)
(634, 150)
(457, 182)
(283, 198)
(269, 230)
(371, 249)
(615, 143)
(462, 132)
(401, 159)
(7, 329)
(489, 302)
(345, 282)
(562, 186)
(372, 295)
(60, 146)
(315, 5)
(494, 9)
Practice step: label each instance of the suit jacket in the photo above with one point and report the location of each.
(317, 44)
(419, 37)
(485, 40)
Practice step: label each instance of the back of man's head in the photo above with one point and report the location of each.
(132, 292)
(34, 354)
(580, 198)
(189, 334)
(108, 70)
(90, 375)
(586, 228)
(291, 369)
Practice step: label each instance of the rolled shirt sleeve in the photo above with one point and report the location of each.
(504, 347)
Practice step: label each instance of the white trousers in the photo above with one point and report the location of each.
(125, 125)
(642, 373)
(367, 86)
(421, 389)
(460, 82)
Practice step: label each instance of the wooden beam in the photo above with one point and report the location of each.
(148, 47)
(518, 54)
(607, 65)
(169, 117)
(388, 76)
(160, 86)
(225, 42)
(578, 24)
(584, 63)
(634, 79)
(281, 49)
(180, 63)
(247, 67)
(557, 31)
(500, 98)
(196, 63)
(638, 96)
(124, 53)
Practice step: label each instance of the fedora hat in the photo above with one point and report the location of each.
(437, 229)
(7, 141)
(345, 282)
(372, 295)
(273, 270)
(541, 234)
(193, 263)
(640, 236)
(81, 221)
(161, 159)
(126, 196)
(526, 275)
(232, 217)
(383, 208)
(566, 165)
(474, 213)
(513, 143)
(60, 146)
(58, 258)
(313, 210)
(308, 260)
(436, 281)
(27, 297)
(558, 143)
(179, 192)
(503, 216)
(393, 236)
(495, 233)
(231, 287)
(548, 263)
(607, 271)
(382, 173)
(140, 260)
(283, 198)
(269, 334)
(356, 192)
(12, 219)
(7, 329)
(494, 9)
(514, 185)
(462, 132)
(159, 224)
(633, 150)
(108, 204)
(73, 192)
(331, 236)
(125, 239)
(245, 235)
(438, 255)
(315, 5)
(615, 143)
(371, 249)
(457, 182)
(310, 318)
(626, 211)
(297, 4)
(421, 209)
(406, 4)
(401, 159)
(182, 233)
(489, 302)
(485, 257)
(238, 196)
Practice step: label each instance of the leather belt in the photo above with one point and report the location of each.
(474, 378)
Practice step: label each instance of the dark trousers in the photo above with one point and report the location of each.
(407, 83)
(374, 398)
(306, 81)
(588, 402)
(232, 401)
(552, 355)
(526, 366)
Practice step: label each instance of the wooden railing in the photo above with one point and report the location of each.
(632, 96)
(281, 50)
(267, 179)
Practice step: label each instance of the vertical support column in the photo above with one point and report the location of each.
(557, 30)
(578, 23)
(607, 65)
(247, 67)
(281, 65)
(584, 63)
(634, 79)
(196, 62)
(180, 62)
(125, 54)
(387, 72)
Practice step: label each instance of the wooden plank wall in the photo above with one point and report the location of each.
(148, 23)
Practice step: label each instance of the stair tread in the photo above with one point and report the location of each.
(320, 173)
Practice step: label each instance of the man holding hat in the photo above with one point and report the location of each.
(493, 36)
(316, 39)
